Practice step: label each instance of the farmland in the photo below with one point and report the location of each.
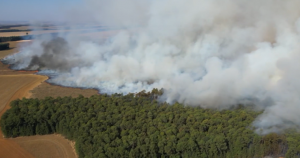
(13, 86)
(19, 84)
(14, 47)
(46, 146)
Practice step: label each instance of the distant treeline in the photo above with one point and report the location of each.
(139, 126)
(15, 38)
(14, 30)
(9, 26)
(17, 30)
(4, 46)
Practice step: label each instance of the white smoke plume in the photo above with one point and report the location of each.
(208, 53)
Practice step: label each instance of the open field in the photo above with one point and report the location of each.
(10, 149)
(46, 89)
(23, 33)
(47, 146)
(14, 84)
(17, 28)
(17, 84)
(90, 31)
(14, 47)
(13, 87)
(8, 34)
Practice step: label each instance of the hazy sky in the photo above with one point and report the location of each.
(28, 10)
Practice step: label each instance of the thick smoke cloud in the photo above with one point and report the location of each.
(208, 53)
(54, 56)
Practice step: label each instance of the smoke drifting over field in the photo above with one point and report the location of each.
(209, 53)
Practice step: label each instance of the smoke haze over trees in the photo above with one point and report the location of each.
(208, 53)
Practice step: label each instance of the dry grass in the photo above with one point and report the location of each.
(4, 70)
(17, 86)
(10, 149)
(23, 33)
(47, 146)
(14, 84)
(15, 47)
(8, 34)
(19, 28)
(46, 89)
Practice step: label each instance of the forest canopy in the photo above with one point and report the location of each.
(137, 125)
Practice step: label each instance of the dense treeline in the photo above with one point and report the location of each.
(139, 126)
(15, 38)
(27, 30)
(14, 30)
(4, 46)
